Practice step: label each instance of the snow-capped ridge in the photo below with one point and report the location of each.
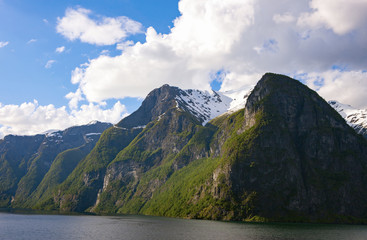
(356, 118)
(203, 104)
(207, 105)
(239, 97)
(93, 122)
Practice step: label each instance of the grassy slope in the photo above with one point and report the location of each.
(110, 143)
(189, 191)
(127, 195)
(184, 192)
(60, 169)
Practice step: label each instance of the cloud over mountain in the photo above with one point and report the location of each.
(321, 43)
(32, 118)
(241, 39)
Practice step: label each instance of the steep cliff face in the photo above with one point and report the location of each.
(297, 157)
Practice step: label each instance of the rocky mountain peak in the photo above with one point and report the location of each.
(296, 144)
(203, 105)
(155, 104)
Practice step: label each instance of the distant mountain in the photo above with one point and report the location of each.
(276, 153)
(356, 118)
(24, 160)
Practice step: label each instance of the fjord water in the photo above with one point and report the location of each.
(20, 226)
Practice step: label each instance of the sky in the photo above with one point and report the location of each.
(65, 63)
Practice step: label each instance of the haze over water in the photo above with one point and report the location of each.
(20, 226)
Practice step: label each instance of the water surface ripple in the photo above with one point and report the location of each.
(39, 227)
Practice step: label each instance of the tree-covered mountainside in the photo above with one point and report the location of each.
(286, 156)
(25, 160)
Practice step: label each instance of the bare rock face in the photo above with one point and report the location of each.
(304, 160)
(154, 105)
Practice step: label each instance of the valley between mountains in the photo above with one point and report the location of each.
(276, 153)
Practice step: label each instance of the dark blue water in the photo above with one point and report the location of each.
(38, 227)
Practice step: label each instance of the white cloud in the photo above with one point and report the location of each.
(50, 63)
(45, 21)
(31, 118)
(74, 99)
(77, 24)
(122, 46)
(60, 49)
(244, 38)
(342, 16)
(198, 43)
(32, 41)
(346, 87)
(3, 44)
(105, 52)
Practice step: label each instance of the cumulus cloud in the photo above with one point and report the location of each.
(204, 33)
(50, 63)
(243, 38)
(77, 24)
(342, 16)
(60, 49)
(74, 99)
(31, 118)
(3, 44)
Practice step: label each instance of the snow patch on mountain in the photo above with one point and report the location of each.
(208, 105)
(239, 98)
(203, 104)
(92, 134)
(122, 128)
(356, 118)
(51, 131)
(93, 122)
(54, 134)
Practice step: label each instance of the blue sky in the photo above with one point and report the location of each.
(64, 63)
(29, 27)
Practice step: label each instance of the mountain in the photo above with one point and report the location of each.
(356, 118)
(160, 128)
(24, 160)
(277, 153)
(203, 105)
